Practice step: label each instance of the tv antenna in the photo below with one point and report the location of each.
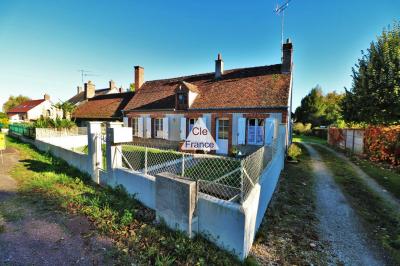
(280, 10)
(86, 73)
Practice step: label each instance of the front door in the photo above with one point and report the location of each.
(255, 131)
(222, 135)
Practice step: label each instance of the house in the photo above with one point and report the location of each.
(33, 110)
(89, 91)
(240, 107)
(106, 107)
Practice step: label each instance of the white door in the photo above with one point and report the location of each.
(222, 135)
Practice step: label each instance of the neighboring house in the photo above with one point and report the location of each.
(106, 107)
(240, 106)
(89, 91)
(33, 110)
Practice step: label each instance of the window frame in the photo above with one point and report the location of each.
(158, 126)
(135, 126)
(224, 125)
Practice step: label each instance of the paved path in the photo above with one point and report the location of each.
(30, 236)
(376, 187)
(339, 225)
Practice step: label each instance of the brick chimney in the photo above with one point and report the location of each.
(219, 67)
(79, 90)
(89, 90)
(287, 57)
(47, 97)
(139, 77)
(112, 85)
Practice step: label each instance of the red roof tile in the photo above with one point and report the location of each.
(263, 86)
(25, 106)
(104, 106)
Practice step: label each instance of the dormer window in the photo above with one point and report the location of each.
(182, 100)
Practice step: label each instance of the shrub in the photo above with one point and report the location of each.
(302, 129)
(335, 136)
(294, 151)
(53, 123)
(4, 122)
(383, 144)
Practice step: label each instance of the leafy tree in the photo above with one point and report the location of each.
(312, 107)
(132, 87)
(67, 108)
(375, 93)
(14, 101)
(319, 109)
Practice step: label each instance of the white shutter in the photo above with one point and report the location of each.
(241, 131)
(165, 127)
(126, 121)
(183, 128)
(269, 131)
(140, 126)
(148, 127)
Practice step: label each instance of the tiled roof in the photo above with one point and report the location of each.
(80, 97)
(25, 106)
(263, 86)
(104, 106)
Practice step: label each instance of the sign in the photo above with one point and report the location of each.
(121, 134)
(199, 138)
(2, 142)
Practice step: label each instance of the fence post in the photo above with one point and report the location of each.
(145, 161)
(183, 165)
(241, 181)
(94, 149)
(113, 152)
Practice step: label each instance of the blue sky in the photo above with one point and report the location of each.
(43, 44)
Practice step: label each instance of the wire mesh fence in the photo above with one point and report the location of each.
(223, 177)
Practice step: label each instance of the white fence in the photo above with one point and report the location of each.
(232, 225)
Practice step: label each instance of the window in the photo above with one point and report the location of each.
(135, 126)
(181, 98)
(255, 131)
(223, 127)
(158, 127)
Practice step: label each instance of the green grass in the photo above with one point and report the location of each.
(382, 221)
(55, 186)
(290, 224)
(387, 178)
(308, 139)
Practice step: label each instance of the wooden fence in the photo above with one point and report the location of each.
(349, 139)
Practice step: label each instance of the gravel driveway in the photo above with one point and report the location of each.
(339, 225)
(35, 236)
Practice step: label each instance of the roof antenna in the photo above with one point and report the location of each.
(280, 10)
(86, 73)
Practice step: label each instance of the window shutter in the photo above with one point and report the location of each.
(241, 131)
(183, 128)
(165, 128)
(126, 121)
(205, 120)
(269, 131)
(140, 126)
(148, 127)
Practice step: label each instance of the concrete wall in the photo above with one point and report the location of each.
(353, 140)
(75, 159)
(67, 142)
(138, 184)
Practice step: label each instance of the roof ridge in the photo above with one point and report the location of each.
(209, 73)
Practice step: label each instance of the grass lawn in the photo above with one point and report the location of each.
(290, 225)
(387, 178)
(53, 184)
(382, 221)
(308, 139)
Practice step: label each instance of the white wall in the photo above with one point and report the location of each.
(67, 142)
